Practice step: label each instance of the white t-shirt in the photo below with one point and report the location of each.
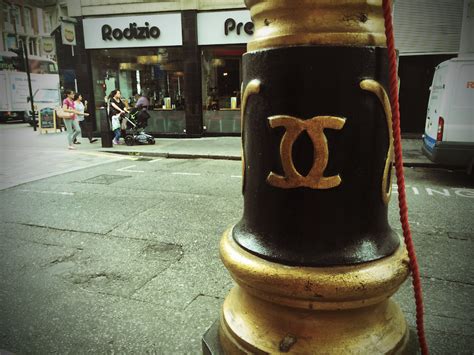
(79, 106)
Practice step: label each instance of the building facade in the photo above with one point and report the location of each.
(32, 22)
(186, 57)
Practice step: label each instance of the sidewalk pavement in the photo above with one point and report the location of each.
(229, 148)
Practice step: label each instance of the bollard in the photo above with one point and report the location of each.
(314, 259)
(106, 133)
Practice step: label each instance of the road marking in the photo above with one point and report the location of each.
(104, 155)
(191, 174)
(48, 192)
(155, 160)
(236, 176)
(439, 191)
(128, 170)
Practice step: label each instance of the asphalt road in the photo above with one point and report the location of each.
(122, 256)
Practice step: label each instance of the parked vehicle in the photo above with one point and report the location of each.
(15, 103)
(449, 128)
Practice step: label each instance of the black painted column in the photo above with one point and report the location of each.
(192, 74)
(303, 220)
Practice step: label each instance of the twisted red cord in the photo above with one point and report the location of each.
(402, 203)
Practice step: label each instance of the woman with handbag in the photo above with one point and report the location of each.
(84, 123)
(71, 123)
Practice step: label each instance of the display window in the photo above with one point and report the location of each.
(221, 81)
(156, 73)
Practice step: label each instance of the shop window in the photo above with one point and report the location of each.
(155, 72)
(221, 80)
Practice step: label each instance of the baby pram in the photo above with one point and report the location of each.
(137, 120)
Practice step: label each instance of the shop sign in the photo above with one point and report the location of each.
(48, 45)
(224, 27)
(131, 32)
(136, 31)
(68, 33)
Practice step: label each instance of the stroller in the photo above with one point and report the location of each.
(137, 120)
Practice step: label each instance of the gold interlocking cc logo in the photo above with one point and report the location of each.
(315, 129)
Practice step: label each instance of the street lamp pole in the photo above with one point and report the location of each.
(30, 90)
(314, 259)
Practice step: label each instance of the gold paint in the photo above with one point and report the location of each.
(282, 23)
(315, 128)
(252, 88)
(374, 87)
(325, 310)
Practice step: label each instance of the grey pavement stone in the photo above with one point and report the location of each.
(442, 299)
(97, 263)
(30, 208)
(186, 279)
(436, 252)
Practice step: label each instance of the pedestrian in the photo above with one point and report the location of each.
(116, 109)
(84, 121)
(143, 102)
(71, 123)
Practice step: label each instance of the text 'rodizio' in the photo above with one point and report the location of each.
(131, 32)
(315, 129)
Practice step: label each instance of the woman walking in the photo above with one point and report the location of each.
(84, 121)
(72, 125)
(116, 108)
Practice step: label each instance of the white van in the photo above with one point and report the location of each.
(449, 128)
(14, 91)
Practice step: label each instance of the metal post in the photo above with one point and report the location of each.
(105, 129)
(314, 258)
(27, 67)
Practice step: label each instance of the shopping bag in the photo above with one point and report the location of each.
(115, 121)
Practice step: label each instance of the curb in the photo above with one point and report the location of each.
(175, 155)
(407, 164)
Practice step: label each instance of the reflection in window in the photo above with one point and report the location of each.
(221, 80)
(156, 73)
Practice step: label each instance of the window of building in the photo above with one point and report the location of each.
(32, 46)
(6, 13)
(221, 80)
(47, 22)
(10, 41)
(155, 72)
(15, 12)
(27, 18)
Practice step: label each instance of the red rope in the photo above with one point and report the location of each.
(400, 177)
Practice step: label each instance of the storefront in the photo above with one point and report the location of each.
(148, 54)
(138, 55)
(222, 37)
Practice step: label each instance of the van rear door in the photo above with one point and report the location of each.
(460, 125)
(435, 105)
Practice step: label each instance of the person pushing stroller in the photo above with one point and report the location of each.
(116, 108)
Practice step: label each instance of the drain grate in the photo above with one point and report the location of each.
(105, 179)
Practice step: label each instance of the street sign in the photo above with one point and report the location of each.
(47, 120)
